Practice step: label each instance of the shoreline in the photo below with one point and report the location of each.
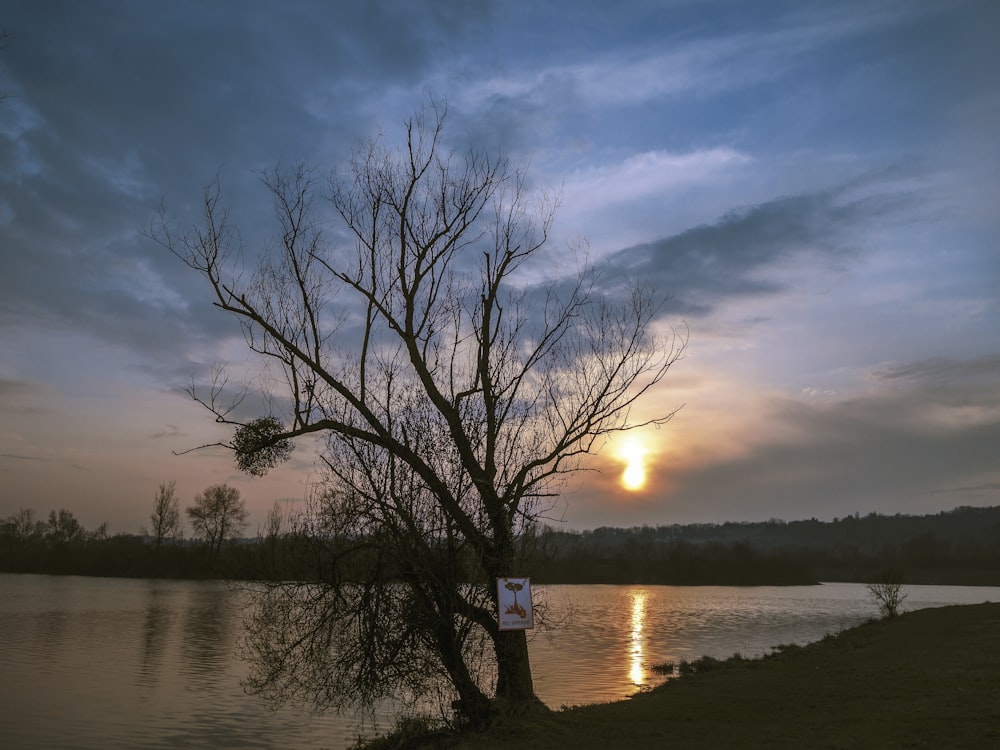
(927, 678)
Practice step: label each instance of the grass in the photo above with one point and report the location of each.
(929, 678)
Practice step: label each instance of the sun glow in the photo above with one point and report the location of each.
(634, 456)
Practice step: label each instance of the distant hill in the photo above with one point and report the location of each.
(961, 546)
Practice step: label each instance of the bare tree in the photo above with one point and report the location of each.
(63, 527)
(274, 523)
(272, 540)
(165, 520)
(218, 514)
(23, 526)
(887, 593)
(453, 398)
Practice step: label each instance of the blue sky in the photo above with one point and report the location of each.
(814, 185)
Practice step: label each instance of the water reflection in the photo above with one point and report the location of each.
(208, 627)
(637, 672)
(72, 647)
(155, 629)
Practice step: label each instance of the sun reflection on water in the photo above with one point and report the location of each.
(637, 672)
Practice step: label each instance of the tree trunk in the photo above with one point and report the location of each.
(515, 688)
(472, 705)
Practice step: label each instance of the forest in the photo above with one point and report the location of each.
(960, 546)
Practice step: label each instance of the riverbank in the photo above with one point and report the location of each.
(929, 678)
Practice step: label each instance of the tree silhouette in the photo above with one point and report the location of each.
(887, 593)
(452, 398)
(165, 520)
(218, 514)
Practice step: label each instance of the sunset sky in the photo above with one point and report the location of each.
(815, 186)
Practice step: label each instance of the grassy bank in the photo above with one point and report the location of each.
(929, 678)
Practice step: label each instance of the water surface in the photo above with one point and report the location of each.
(126, 663)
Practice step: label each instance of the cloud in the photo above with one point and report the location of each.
(663, 62)
(172, 432)
(83, 166)
(860, 453)
(640, 176)
(737, 255)
(44, 460)
(17, 457)
(16, 388)
(938, 371)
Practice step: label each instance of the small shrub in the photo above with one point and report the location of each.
(887, 592)
(710, 663)
(664, 669)
(789, 648)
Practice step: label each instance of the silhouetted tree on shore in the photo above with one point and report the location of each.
(218, 514)
(452, 400)
(62, 527)
(165, 520)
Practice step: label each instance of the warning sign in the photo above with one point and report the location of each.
(514, 604)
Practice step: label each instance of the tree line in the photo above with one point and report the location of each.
(960, 546)
(59, 543)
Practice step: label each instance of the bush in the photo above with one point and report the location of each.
(887, 592)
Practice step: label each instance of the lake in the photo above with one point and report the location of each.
(132, 663)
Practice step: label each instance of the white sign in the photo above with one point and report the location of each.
(514, 604)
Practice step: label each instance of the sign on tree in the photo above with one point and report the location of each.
(514, 604)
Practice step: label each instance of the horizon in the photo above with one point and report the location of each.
(857, 515)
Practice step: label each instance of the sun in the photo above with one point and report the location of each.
(634, 455)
